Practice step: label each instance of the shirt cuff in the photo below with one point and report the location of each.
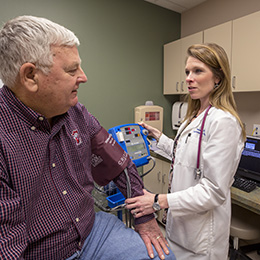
(143, 219)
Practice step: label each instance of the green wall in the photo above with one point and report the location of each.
(121, 51)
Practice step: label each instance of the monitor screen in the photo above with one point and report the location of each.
(249, 165)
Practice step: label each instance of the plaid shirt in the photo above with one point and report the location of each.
(46, 207)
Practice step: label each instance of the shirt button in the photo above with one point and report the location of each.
(79, 243)
(41, 118)
(33, 128)
(77, 219)
(64, 192)
(53, 165)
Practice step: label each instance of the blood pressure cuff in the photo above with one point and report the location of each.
(108, 158)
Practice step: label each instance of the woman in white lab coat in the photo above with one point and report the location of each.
(199, 203)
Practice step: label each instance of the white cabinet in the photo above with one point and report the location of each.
(172, 68)
(175, 54)
(241, 40)
(245, 53)
(221, 35)
(157, 180)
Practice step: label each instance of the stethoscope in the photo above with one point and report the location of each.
(198, 171)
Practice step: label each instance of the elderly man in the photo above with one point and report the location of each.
(47, 140)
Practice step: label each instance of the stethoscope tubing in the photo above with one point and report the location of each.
(198, 170)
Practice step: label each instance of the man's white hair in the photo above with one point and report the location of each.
(29, 39)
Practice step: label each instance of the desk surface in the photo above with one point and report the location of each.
(250, 201)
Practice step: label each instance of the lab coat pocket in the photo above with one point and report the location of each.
(193, 232)
(186, 154)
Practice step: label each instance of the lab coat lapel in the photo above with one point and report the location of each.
(194, 124)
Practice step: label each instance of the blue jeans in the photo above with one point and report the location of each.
(111, 239)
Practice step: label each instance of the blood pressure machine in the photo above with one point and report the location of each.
(133, 139)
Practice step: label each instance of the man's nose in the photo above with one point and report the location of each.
(82, 77)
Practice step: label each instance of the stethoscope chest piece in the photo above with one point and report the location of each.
(197, 173)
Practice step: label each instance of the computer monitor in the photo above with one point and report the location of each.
(249, 165)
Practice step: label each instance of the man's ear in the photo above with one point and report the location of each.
(28, 76)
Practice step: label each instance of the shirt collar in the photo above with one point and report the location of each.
(30, 117)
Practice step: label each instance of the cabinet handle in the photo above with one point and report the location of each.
(234, 82)
(159, 176)
(182, 83)
(163, 178)
(177, 86)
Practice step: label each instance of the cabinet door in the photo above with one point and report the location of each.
(153, 180)
(221, 35)
(171, 77)
(164, 186)
(157, 180)
(186, 42)
(245, 53)
(165, 176)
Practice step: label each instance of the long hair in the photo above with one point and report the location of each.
(221, 97)
(29, 39)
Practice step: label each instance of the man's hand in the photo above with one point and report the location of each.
(151, 234)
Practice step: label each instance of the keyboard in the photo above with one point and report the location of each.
(244, 184)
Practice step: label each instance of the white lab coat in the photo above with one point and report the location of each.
(198, 220)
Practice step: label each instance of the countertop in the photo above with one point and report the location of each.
(250, 201)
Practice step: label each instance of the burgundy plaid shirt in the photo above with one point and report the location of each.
(46, 207)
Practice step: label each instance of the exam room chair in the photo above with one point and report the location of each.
(245, 225)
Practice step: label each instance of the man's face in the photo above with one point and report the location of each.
(58, 90)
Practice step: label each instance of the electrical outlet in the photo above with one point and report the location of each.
(256, 130)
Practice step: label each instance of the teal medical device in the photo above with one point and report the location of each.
(133, 139)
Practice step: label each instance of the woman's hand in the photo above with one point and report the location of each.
(141, 205)
(151, 131)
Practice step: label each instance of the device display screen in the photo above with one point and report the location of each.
(250, 159)
(250, 146)
(134, 148)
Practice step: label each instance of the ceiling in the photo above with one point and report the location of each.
(178, 6)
